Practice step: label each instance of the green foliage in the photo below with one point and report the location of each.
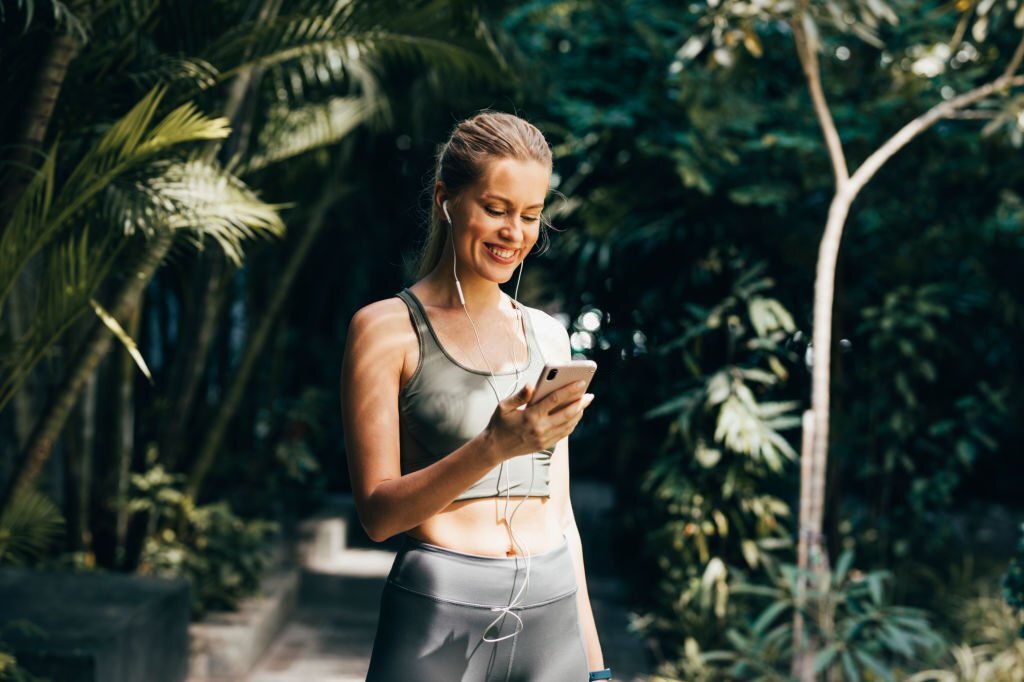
(708, 485)
(1013, 581)
(133, 178)
(9, 669)
(713, 149)
(915, 451)
(59, 12)
(29, 527)
(866, 637)
(221, 555)
(992, 648)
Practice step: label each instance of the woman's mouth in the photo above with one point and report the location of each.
(501, 254)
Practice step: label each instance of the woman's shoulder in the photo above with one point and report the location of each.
(551, 334)
(379, 321)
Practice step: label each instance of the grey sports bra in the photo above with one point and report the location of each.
(445, 404)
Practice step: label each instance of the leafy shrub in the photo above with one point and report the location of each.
(860, 635)
(9, 669)
(992, 651)
(220, 554)
(28, 528)
(710, 505)
(1013, 581)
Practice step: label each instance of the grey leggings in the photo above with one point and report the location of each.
(438, 602)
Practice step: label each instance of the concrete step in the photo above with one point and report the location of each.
(330, 636)
(226, 645)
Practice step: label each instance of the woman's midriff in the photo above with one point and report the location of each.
(479, 526)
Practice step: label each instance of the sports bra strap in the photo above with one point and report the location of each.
(422, 325)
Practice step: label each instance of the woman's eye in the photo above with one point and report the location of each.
(494, 211)
(531, 218)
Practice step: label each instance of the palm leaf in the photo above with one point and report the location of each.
(293, 131)
(207, 201)
(29, 525)
(356, 33)
(127, 341)
(72, 272)
(194, 195)
(40, 215)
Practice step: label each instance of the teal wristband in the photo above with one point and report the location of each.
(605, 674)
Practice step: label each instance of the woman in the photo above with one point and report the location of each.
(442, 446)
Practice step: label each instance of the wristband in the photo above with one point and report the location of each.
(605, 674)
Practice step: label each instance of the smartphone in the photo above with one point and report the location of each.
(558, 375)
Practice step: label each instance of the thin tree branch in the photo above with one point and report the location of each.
(926, 120)
(973, 115)
(809, 61)
(1015, 60)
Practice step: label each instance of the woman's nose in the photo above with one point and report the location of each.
(514, 229)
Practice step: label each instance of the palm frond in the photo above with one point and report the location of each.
(28, 221)
(171, 68)
(361, 32)
(194, 195)
(208, 201)
(29, 525)
(73, 24)
(43, 210)
(72, 273)
(127, 341)
(292, 131)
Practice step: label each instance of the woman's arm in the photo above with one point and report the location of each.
(595, 658)
(558, 349)
(388, 502)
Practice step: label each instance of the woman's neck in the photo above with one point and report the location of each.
(480, 294)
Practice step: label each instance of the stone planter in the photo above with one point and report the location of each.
(96, 627)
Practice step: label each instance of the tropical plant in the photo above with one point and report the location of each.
(29, 527)
(220, 554)
(992, 649)
(10, 671)
(864, 636)
(163, 195)
(710, 484)
(1013, 581)
(729, 25)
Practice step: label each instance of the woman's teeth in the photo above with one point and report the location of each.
(500, 253)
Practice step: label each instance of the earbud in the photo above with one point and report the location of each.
(451, 234)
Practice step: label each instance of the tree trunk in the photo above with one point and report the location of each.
(232, 397)
(124, 442)
(83, 490)
(38, 112)
(81, 369)
(190, 363)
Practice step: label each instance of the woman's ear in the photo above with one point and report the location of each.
(440, 196)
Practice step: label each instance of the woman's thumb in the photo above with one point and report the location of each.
(518, 398)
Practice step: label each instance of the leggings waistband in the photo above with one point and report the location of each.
(482, 581)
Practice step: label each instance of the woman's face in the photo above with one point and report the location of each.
(497, 219)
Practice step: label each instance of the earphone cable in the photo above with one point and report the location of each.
(508, 486)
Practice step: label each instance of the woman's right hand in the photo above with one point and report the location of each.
(519, 429)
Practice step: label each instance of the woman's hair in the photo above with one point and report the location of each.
(485, 137)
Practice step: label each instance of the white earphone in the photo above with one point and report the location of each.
(508, 488)
(458, 285)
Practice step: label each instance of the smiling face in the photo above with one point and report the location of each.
(497, 218)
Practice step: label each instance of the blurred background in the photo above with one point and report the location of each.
(198, 196)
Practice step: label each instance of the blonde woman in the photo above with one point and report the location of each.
(444, 448)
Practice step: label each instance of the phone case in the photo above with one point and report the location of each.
(557, 375)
